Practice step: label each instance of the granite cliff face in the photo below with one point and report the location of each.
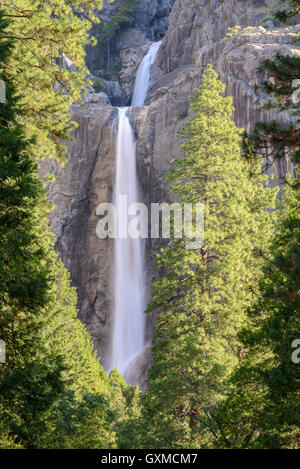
(152, 17)
(196, 36)
(194, 24)
(150, 24)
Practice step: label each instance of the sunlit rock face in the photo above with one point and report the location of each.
(195, 37)
(194, 24)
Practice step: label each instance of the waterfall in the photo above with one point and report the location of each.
(143, 76)
(128, 338)
(129, 294)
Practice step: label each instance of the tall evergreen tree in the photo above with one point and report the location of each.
(263, 408)
(51, 386)
(126, 409)
(202, 294)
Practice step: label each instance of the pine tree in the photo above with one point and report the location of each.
(24, 272)
(202, 294)
(81, 415)
(271, 141)
(42, 32)
(126, 411)
(263, 409)
(275, 140)
(51, 386)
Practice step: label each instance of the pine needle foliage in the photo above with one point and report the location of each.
(203, 294)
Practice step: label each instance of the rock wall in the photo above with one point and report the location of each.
(194, 24)
(132, 47)
(149, 23)
(195, 38)
(152, 17)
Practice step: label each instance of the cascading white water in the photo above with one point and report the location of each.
(129, 294)
(143, 75)
(128, 339)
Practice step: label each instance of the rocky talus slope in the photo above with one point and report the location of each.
(196, 36)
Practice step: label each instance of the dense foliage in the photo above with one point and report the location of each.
(43, 33)
(53, 390)
(203, 294)
(226, 352)
(262, 410)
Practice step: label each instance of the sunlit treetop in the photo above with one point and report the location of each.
(42, 31)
